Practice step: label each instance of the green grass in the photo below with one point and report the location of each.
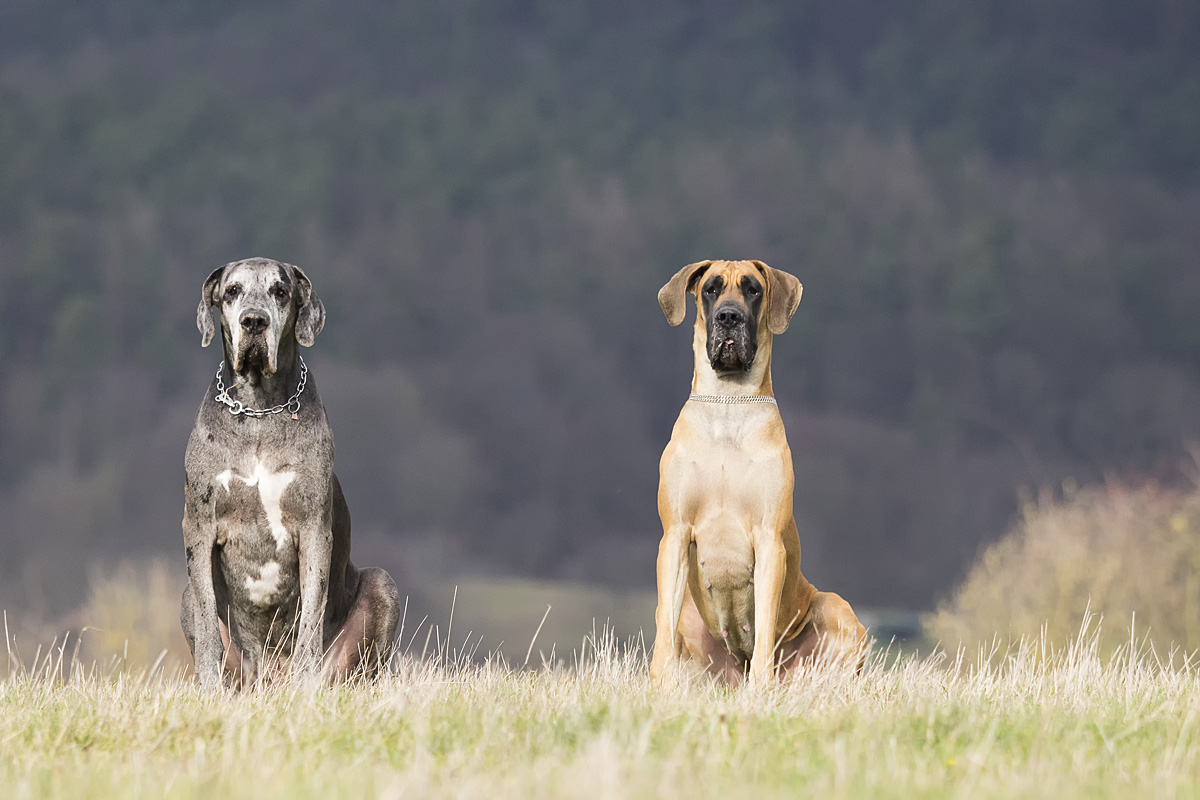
(1031, 723)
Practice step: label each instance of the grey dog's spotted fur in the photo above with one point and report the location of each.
(266, 529)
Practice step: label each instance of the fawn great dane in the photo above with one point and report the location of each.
(731, 597)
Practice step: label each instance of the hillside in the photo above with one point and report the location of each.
(994, 210)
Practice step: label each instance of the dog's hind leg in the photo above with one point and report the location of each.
(365, 641)
(831, 635)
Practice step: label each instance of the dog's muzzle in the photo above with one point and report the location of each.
(255, 345)
(731, 339)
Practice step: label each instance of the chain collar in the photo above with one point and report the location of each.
(733, 399)
(236, 407)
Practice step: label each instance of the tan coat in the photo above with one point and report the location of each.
(730, 592)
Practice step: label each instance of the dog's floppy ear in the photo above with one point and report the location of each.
(208, 298)
(783, 297)
(672, 297)
(310, 313)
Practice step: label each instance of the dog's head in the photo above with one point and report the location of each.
(735, 302)
(261, 303)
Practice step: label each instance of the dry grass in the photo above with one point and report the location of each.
(1129, 555)
(1052, 716)
(1033, 723)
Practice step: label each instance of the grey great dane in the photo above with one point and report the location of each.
(266, 529)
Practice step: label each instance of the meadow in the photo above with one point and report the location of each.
(1033, 721)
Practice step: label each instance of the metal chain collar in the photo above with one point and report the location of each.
(733, 399)
(237, 407)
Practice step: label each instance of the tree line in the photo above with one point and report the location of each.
(993, 210)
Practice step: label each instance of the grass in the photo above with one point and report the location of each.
(1033, 723)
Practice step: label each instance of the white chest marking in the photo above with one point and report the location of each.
(271, 486)
(263, 587)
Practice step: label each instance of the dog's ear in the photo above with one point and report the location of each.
(208, 299)
(310, 312)
(672, 297)
(783, 296)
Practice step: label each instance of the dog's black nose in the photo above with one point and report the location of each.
(730, 316)
(254, 322)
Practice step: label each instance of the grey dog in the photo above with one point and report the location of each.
(266, 529)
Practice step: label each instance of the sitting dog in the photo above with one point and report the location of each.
(266, 529)
(730, 593)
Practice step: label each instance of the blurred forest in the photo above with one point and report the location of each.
(994, 208)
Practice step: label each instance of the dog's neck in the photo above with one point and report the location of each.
(256, 388)
(755, 381)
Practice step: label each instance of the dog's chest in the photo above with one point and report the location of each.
(726, 474)
(255, 530)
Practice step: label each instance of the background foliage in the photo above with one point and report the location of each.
(1126, 556)
(993, 208)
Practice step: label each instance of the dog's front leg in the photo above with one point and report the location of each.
(208, 652)
(770, 568)
(672, 581)
(316, 548)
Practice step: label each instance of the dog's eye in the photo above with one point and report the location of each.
(712, 290)
(232, 292)
(280, 293)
